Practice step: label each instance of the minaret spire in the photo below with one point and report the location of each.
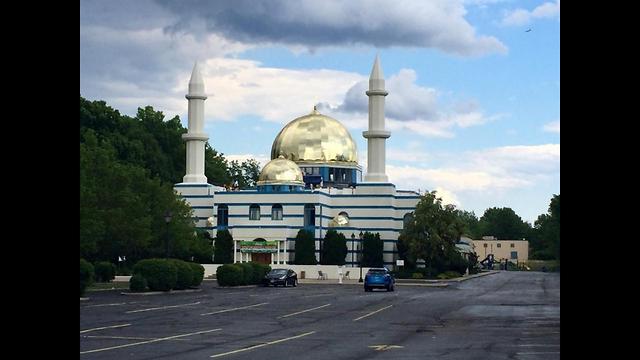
(195, 136)
(376, 135)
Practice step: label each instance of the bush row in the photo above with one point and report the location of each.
(165, 275)
(241, 274)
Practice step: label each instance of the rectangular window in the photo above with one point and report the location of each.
(514, 254)
(254, 212)
(309, 215)
(485, 244)
(513, 245)
(316, 171)
(499, 245)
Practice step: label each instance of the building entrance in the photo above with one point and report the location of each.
(261, 258)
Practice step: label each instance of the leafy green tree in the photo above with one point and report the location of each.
(503, 223)
(372, 248)
(305, 248)
(432, 234)
(251, 172)
(546, 244)
(470, 223)
(334, 248)
(223, 248)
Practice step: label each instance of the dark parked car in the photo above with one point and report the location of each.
(284, 277)
(379, 278)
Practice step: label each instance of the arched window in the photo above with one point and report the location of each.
(223, 215)
(309, 215)
(276, 212)
(254, 212)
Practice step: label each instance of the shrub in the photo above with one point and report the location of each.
(197, 274)
(247, 273)
(229, 275)
(417, 275)
(259, 271)
(137, 283)
(184, 277)
(86, 275)
(161, 274)
(105, 271)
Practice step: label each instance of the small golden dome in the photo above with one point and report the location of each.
(316, 139)
(281, 171)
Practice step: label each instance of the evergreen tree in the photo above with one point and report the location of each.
(223, 248)
(334, 248)
(372, 250)
(305, 248)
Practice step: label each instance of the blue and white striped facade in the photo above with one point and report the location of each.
(373, 207)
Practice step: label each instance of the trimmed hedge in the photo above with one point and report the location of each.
(247, 273)
(197, 274)
(449, 275)
(137, 283)
(241, 274)
(259, 271)
(184, 276)
(86, 275)
(105, 271)
(230, 275)
(161, 274)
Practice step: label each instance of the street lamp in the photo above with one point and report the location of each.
(353, 237)
(167, 219)
(360, 246)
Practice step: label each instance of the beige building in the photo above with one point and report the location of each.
(514, 250)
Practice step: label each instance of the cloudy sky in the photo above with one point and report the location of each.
(474, 96)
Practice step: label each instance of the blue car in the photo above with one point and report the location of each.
(379, 278)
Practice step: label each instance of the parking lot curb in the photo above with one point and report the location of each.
(170, 292)
(84, 299)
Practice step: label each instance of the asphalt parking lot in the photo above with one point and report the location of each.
(507, 315)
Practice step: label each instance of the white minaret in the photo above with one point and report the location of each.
(376, 135)
(195, 136)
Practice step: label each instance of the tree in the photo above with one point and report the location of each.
(334, 248)
(372, 247)
(432, 233)
(503, 223)
(305, 248)
(547, 233)
(470, 223)
(223, 248)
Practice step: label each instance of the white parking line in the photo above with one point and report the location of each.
(234, 309)
(538, 353)
(304, 311)
(115, 304)
(105, 327)
(161, 308)
(537, 345)
(261, 345)
(147, 342)
(371, 313)
(121, 337)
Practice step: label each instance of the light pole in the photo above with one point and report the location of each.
(360, 261)
(167, 219)
(353, 237)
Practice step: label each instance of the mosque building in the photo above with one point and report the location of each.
(312, 182)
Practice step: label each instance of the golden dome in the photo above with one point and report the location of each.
(316, 138)
(281, 171)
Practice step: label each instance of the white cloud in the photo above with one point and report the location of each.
(263, 159)
(501, 168)
(410, 107)
(448, 198)
(553, 127)
(517, 17)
